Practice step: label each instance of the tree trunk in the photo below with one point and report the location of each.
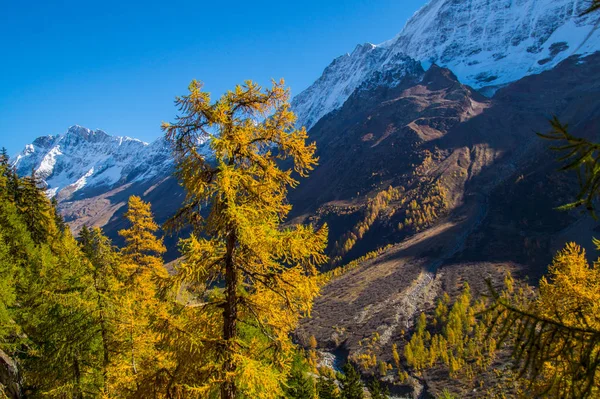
(77, 372)
(103, 332)
(133, 365)
(230, 317)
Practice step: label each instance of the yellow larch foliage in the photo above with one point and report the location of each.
(396, 355)
(424, 210)
(139, 305)
(250, 277)
(312, 356)
(373, 209)
(572, 290)
(570, 297)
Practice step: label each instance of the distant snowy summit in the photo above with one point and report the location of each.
(83, 158)
(487, 44)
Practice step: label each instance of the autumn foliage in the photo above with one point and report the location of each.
(267, 272)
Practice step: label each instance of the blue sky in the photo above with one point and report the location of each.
(117, 65)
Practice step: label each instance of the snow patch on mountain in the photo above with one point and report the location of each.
(487, 44)
(48, 162)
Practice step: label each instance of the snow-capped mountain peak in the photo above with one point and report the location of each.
(487, 44)
(339, 80)
(84, 158)
(496, 42)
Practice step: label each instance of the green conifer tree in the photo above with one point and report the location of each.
(106, 276)
(59, 221)
(57, 331)
(377, 391)
(326, 387)
(300, 384)
(34, 208)
(352, 387)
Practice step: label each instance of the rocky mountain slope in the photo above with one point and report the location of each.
(487, 44)
(499, 189)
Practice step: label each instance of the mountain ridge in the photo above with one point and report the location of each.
(82, 158)
(516, 39)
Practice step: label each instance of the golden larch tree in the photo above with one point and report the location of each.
(252, 276)
(142, 268)
(557, 335)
